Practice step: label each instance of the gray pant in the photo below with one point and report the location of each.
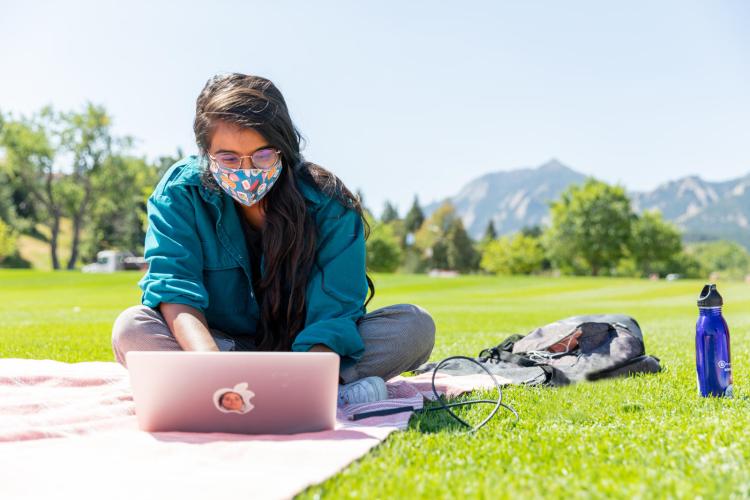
(397, 339)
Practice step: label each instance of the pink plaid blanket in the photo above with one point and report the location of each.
(71, 429)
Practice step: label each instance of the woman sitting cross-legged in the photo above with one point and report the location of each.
(252, 248)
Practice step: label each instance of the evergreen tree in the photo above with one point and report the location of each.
(460, 251)
(490, 233)
(389, 213)
(438, 255)
(415, 217)
(361, 197)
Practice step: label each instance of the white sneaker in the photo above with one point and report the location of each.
(365, 390)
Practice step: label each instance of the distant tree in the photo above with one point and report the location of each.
(490, 233)
(460, 252)
(517, 254)
(414, 217)
(163, 162)
(413, 261)
(17, 208)
(591, 227)
(383, 249)
(725, 257)
(444, 241)
(438, 255)
(654, 244)
(399, 230)
(686, 265)
(7, 241)
(11, 224)
(390, 213)
(118, 218)
(159, 168)
(434, 228)
(31, 153)
(87, 136)
(533, 231)
(361, 197)
(7, 207)
(55, 158)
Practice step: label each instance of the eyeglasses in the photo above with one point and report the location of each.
(263, 159)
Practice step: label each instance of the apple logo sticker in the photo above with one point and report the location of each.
(234, 400)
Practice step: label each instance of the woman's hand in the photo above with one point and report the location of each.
(189, 327)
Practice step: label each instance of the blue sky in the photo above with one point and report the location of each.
(414, 97)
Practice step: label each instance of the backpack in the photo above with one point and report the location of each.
(589, 347)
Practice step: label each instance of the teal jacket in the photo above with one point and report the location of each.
(197, 255)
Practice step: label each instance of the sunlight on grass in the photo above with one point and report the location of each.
(646, 436)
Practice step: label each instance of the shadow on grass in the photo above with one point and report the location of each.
(438, 420)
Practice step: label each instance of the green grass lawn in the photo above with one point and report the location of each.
(648, 436)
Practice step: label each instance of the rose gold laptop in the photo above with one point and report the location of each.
(237, 392)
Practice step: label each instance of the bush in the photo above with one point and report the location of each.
(15, 261)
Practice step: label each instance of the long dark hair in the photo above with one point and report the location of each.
(289, 232)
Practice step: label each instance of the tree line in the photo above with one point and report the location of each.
(593, 230)
(57, 166)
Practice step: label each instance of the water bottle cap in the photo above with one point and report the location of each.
(710, 297)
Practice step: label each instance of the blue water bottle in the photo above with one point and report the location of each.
(712, 346)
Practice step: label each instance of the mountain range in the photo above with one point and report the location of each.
(520, 198)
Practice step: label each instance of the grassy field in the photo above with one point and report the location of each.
(641, 437)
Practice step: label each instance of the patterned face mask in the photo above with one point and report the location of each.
(247, 186)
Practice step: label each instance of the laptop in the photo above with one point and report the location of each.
(234, 392)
